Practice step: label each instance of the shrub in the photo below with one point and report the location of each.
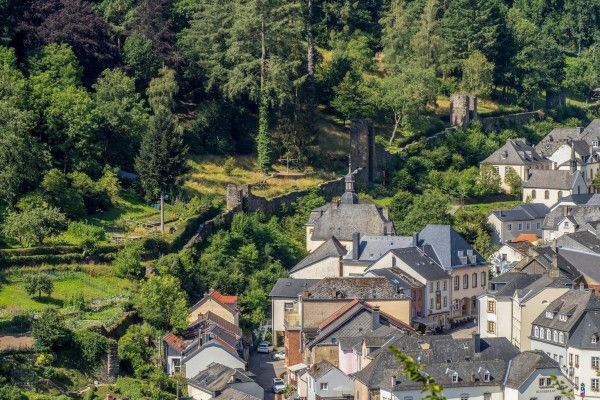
(21, 321)
(48, 329)
(44, 360)
(38, 283)
(92, 346)
(128, 260)
(31, 227)
(94, 196)
(61, 194)
(77, 301)
(229, 165)
(110, 184)
(87, 236)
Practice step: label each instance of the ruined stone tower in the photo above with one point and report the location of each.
(463, 109)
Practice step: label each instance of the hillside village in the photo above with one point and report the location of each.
(363, 290)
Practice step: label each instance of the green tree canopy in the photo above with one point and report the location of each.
(162, 303)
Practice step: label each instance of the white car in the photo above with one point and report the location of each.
(263, 347)
(279, 355)
(278, 385)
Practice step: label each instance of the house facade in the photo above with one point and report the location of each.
(507, 225)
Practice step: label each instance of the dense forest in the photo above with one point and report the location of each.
(85, 83)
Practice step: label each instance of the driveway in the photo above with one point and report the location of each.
(265, 370)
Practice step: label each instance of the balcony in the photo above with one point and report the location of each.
(291, 320)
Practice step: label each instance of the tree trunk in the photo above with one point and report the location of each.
(162, 211)
(263, 57)
(396, 122)
(311, 46)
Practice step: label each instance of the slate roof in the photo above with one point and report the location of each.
(556, 138)
(507, 284)
(342, 220)
(545, 256)
(397, 277)
(421, 263)
(522, 247)
(356, 319)
(234, 394)
(522, 212)
(582, 240)
(290, 287)
(353, 288)
(211, 318)
(591, 132)
(444, 244)
(321, 368)
(218, 377)
(371, 247)
(586, 264)
(516, 152)
(524, 364)
(588, 327)
(550, 179)
(331, 248)
(588, 199)
(442, 357)
(582, 216)
(571, 304)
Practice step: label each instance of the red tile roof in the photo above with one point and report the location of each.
(175, 341)
(527, 237)
(215, 294)
(338, 314)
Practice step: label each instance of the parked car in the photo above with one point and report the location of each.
(278, 355)
(278, 385)
(263, 347)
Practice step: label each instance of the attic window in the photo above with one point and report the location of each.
(455, 377)
(563, 317)
(549, 314)
(487, 376)
(595, 338)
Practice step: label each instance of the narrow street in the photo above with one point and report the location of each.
(265, 370)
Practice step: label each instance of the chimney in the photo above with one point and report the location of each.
(416, 239)
(376, 317)
(573, 159)
(355, 245)
(305, 294)
(341, 266)
(554, 271)
(393, 383)
(476, 343)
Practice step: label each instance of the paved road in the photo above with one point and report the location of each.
(265, 370)
(464, 331)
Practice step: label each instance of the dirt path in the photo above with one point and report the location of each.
(18, 341)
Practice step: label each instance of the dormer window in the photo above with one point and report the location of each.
(595, 143)
(563, 317)
(594, 338)
(487, 376)
(549, 314)
(455, 377)
(536, 331)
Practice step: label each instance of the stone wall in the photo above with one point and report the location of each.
(510, 120)
(365, 153)
(463, 109)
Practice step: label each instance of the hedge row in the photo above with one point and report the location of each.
(54, 250)
(54, 259)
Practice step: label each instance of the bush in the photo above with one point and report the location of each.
(86, 236)
(128, 261)
(229, 165)
(92, 346)
(31, 227)
(21, 322)
(77, 301)
(48, 329)
(61, 194)
(94, 196)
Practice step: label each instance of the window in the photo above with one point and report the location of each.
(595, 384)
(491, 306)
(576, 360)
(562, 317)
(533, 194)
(594, 338)
(445, 286)
(487, 376)
(546, 194)
(437, 286)
(456, 282)
(324, 386)
(454, 377)
(566, 225)
(595, 362)
(487, 396)
(556, 397)
(549, 314)
(570, 358)
(510, 227)
(528, 226)
(491, 327)
(474, 281)
(536, 331)
(445, 301)
(431, 286)
(548, 381)
(561, 337)
(548, 334)
(483, 279)
(542, 382)
(464, 396)
(288, 307)
(176, 365)
(560, 194)
(538, 225)
(542, 336)
(520, 227)
(465, 281)
(555, 336)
